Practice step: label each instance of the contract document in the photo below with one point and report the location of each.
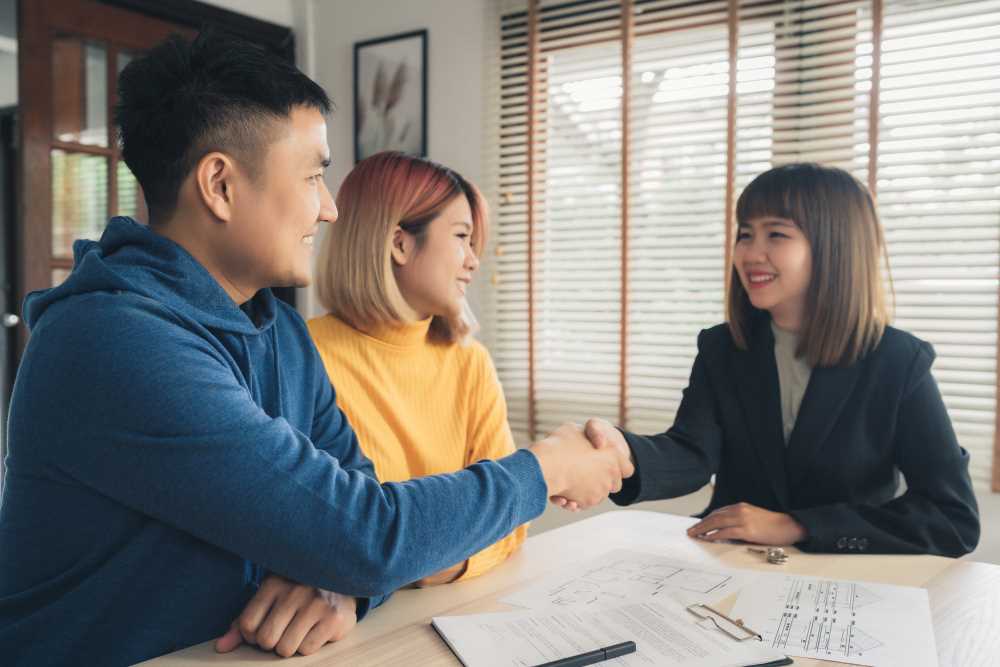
(859, 622)
(664, 631)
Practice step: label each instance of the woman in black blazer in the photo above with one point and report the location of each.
(806, 268)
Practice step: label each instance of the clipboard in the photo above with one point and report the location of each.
(734, 628)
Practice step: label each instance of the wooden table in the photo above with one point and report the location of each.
(964, 595)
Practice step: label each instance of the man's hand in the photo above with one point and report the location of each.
(601, 434)
(287, 617)
(749, 523)
(575, 470)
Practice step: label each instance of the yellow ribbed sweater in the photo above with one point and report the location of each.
(419, 408)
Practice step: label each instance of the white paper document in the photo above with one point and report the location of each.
(845, 621)
(665, 634)
(624, 575)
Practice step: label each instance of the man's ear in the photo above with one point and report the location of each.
(403, 245)
(214, 184)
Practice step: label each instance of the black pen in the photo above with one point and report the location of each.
(592, 657)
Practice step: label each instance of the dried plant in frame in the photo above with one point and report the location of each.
(390, 95)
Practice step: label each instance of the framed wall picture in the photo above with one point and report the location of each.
(390, 95)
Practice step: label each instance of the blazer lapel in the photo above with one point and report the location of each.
(757, 385)
(824, 400)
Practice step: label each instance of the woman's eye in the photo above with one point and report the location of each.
(778, 235)
(742, 236)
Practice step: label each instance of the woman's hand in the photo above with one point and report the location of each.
(749, 523)
(601, 434)
(287, 617)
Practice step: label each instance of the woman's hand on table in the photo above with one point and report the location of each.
(749, 523)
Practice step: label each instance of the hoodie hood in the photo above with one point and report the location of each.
(132, 258)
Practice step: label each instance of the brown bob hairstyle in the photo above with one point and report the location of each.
(354, 270)
(846, 306)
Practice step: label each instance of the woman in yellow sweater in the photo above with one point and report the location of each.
(421, 393)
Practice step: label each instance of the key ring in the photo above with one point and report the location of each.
(773, 555)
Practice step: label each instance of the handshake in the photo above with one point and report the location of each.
(582, 466)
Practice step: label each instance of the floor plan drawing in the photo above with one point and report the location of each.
(629, 576)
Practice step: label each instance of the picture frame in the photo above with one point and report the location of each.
(390, 94)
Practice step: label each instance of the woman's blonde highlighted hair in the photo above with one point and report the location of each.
(846, 307)
(354, 273)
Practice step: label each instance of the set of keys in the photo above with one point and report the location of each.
(774, 555)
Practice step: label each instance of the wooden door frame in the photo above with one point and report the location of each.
(196, 15)
(156, 20)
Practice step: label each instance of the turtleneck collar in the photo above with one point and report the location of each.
(405, 334)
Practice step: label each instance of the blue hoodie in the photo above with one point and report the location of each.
(168, 447)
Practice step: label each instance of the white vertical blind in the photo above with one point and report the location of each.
(804, 88)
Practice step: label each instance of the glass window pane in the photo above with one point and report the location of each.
(59, 275)
(79, 199)
(79, 91)
(124, 58)
(130, 199)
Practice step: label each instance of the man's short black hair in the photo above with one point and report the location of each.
(184, 99)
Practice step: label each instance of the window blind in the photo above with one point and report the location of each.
(510, 348)
(578, 198)
(938, 184)
(626, 129)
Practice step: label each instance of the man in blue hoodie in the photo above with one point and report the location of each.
(173, 435)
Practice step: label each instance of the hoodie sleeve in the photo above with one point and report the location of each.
(131, 403)
(331, 431)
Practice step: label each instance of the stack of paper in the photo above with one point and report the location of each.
(664, 632)
(620, 596)
(626, 595)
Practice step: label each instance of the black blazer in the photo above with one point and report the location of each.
(858, 427)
